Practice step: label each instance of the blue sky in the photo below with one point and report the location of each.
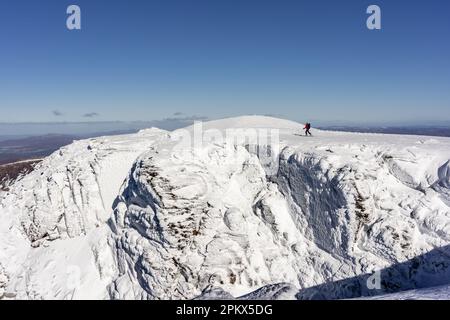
(146, 60)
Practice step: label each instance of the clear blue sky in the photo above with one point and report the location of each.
(144, 60)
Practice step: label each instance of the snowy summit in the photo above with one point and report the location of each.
(244, 208)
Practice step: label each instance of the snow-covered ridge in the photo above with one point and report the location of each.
(136, 217)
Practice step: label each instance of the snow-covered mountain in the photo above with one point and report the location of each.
(242, 207)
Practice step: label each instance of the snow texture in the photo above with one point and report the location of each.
(144, 216)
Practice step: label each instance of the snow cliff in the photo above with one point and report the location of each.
(247, 208)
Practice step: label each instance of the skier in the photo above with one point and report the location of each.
(307, 128)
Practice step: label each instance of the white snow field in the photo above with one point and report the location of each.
(244, 207)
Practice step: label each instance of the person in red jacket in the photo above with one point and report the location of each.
(307, 128)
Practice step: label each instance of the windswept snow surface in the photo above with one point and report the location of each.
(434, 293)
(53, 230)
(242, 207)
